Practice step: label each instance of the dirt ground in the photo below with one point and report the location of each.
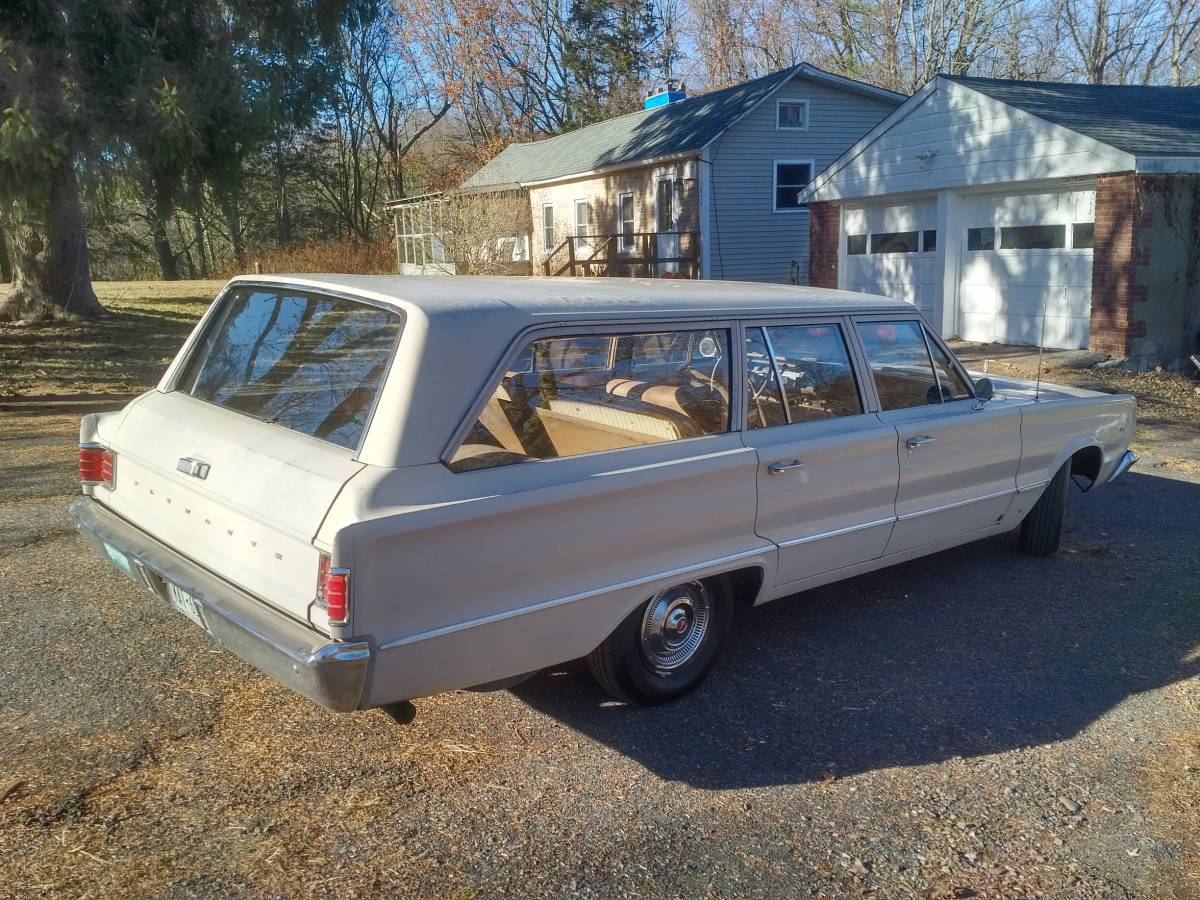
(976, 723)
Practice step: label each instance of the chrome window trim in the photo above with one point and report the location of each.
(766, 333)
(572, 598)
(954, 360)
(932, 365)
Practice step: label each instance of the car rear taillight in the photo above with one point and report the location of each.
(333, 591)
(96, 465)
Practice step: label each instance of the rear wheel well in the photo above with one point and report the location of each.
(1086, 464)
(743, 585)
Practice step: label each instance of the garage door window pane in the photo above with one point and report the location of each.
(899, 364)
(1083, 235)
(894, 242)
(818, 380)
(588, 393)
(981, 238)
(1033, 237)
(856, 244)
(929, 241)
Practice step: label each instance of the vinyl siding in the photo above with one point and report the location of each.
(974, 140)
(748, 241)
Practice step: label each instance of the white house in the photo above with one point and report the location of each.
(990, 202)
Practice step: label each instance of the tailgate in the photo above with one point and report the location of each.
(252, 517)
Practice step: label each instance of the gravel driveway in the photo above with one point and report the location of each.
(978, 723)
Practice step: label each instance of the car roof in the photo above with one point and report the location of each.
(534, 300)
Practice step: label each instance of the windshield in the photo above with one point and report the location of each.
(310, 363)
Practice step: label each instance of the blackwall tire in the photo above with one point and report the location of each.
(1042, 528)
(666, 646)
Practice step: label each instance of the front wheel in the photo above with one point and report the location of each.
(666, 646)
(1042, 528)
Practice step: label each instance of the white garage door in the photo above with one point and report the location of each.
(890, 250)
(1022, 254)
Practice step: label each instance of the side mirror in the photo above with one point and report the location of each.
(984, 389)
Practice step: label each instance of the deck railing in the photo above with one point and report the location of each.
(644, 254)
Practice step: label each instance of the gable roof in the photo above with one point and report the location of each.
(681, 127)
(1139, 119)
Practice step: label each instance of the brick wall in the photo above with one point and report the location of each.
(823, 236)
(1121, 211)
(602, 194)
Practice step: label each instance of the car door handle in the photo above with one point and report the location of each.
(779, 468)
(918, 440)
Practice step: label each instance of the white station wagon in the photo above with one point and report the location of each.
(376, 489)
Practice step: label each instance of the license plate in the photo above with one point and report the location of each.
(121, 561)
(186, 603)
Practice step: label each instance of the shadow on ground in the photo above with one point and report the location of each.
(972, 651)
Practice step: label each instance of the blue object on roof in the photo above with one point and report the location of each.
(662, 98)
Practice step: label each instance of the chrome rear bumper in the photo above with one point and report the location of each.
(331, 673)
(1123, 465)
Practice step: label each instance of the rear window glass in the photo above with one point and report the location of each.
(309, 363)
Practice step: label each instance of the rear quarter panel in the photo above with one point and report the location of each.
(460, 579)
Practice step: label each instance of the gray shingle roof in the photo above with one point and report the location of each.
(1143, 120)
(683, 126)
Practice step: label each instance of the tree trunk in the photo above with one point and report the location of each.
(201, 243)
(168, 265)
(283, 215)
(52, 276)
(233, 224)
(6, 272)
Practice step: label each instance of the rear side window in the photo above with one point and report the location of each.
(304, 361)
(569, 395)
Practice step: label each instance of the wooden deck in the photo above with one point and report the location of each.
(649, 254)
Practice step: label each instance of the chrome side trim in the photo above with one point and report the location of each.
(956, 505)
(1126, 463)
(570, 598)
(837, 532)
(1032, 486)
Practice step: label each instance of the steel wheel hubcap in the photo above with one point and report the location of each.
(675, 625)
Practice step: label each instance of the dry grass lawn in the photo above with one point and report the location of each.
(121, 355)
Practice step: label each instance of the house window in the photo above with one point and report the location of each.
(791, 177)
(894, 242)
(626, 206)
(929, 240)
(856, 244)
(981, 238)
(581, 219)
(548, 227)
(1083, 235)
(791, 115)
(1033, 237)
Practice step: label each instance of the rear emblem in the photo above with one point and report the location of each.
(193, 467)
